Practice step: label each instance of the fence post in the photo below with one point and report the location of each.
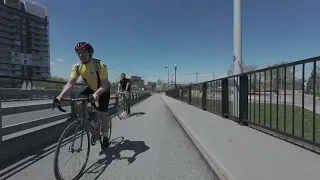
(204, 96)
(0, 125)
(225, 98)
(243, 99)
(182, 94)
(177, 93)
(190, 94)
(117, 99)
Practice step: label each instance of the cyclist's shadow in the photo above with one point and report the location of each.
(113, 153)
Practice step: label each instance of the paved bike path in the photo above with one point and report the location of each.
(164, 151)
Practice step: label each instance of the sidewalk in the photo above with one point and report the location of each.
(240, 153)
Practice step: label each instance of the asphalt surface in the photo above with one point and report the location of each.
(163, 151)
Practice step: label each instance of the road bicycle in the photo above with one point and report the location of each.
(122, 106)
(83, 129)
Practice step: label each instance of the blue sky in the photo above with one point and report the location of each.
(141, 37)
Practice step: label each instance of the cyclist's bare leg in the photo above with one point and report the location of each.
(105, 122)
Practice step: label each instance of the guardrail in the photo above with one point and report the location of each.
(34, 94)
(281, 99)
(15, 146)
(35, 90)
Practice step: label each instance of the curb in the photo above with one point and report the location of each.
(215, 165)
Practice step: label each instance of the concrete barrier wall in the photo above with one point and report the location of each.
(21, 146)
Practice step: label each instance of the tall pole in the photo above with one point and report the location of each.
(237, 58)
(175, 76)
(196, 78)
(144, 80)
(168, 77)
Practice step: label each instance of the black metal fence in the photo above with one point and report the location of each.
(283, 98)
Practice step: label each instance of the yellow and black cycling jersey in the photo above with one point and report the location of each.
(87, 72)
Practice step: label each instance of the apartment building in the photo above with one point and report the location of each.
(24, 41)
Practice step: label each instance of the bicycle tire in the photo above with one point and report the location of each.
(56, 156)
(120, 110)
(110, 128)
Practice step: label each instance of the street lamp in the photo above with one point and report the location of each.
(175, 76)
(237, 48)
(168, 76)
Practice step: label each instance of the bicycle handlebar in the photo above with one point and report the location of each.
(57, 103)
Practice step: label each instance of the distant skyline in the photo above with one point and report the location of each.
(141, 37)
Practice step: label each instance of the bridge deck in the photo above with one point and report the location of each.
(164, 151)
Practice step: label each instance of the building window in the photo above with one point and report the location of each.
(25, 62)
(16, 54)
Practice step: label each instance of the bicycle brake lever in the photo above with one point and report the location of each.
(56, 102)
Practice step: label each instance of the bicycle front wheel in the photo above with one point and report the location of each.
(78, 136)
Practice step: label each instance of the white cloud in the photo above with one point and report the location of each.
(60, 60)
(52, 63)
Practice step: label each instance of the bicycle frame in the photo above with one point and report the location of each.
(123, 98)
(83, 119)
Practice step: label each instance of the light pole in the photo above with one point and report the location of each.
(175, 76)
(168, 76)
(237, 48)
(197, 76)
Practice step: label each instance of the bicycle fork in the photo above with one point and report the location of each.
(71, 148)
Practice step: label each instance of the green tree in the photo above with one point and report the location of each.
(253, 82)
(280, 77)
(159, 82)
(245, 67)
(153, 86)
(309, 87)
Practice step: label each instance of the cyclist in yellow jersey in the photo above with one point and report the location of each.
(95, 73)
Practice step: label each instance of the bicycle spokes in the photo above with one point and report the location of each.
(71, 148)
(72, 151)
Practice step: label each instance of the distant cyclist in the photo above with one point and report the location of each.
(94, 73)
(125, 85)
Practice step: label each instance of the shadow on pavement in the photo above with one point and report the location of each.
(26, 160)
(113, 153)
(137, 114)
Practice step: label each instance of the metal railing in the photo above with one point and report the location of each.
(11, 88)
(282, 99)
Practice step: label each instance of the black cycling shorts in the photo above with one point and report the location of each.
(103, 98)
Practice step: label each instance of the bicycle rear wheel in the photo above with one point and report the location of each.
(121, 110)
(110, 128)
(67, 136)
